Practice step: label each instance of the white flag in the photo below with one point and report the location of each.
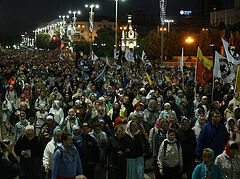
(94, 56)
(222, 68)
(145, 59)
(116, 54)
(181, 62)
(231, 53)
(129, 55)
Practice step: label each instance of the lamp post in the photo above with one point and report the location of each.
(169, 21)
(116, 23)
(91, 16)
(162, 19)
(74, 18)
(63, 17)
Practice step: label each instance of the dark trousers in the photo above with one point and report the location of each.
(89, 170)
(117, 172)
(171, 173)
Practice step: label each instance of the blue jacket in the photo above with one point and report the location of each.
(201, 173)
(214, 137)
(63, 167)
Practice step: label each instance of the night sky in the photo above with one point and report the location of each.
(17, 16)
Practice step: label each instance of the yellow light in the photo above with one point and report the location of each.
(121, 28)
(165, 29)
(161, 29)
(83, 26)
(189, 40)
(125, 28)
(79, 26)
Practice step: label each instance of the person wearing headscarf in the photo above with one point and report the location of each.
(229, 162)
(151, 113)
(70, 121)
(180, 97)
(201, 121)
(235, 100)
(49, 151)
(167, 111)
(231, 128)
(67, 163)
(169, 158)
(19, 128)
(57, 111)
(115, 111)
(185, 135)
(204, 105)
(30, 150)
(207, 169)
(135, 144)
(156, 137)
(40, 118)
(7, 111)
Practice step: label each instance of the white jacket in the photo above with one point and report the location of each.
(58, 115)
(48, 154)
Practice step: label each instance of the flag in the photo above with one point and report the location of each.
(203, 75)
(145, 59)
(237, 84)
(83, 65)
(167, 79)
(222, 68)
(101, 73)
(90, 24)
(107, 62)
(116, 54)
(149, 79)
(181, 62)
(206, 62)
(231, 53)
(129, 55)
(94, 57)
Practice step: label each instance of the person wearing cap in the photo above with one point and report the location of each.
(49, 151)
(19, 128)
(75, 130)
(88, 151)
(30, 150)
(47, 129)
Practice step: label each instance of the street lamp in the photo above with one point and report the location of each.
(169, 21)
(189, 40)
(116, 24)
(63, 25)
(163, 4)
(91, 15)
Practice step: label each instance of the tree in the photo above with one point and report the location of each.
(43, 41)
(81, 46)
(105, 41)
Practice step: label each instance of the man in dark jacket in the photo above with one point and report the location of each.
(213, 135)
(185, 135)
(9, 168)
(88, 151)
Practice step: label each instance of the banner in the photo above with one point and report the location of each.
(231, 53)
(145, 59)
(129, 55)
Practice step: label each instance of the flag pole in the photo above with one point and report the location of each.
(195, 80)
(213, 60)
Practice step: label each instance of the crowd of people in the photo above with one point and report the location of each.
(67, 125)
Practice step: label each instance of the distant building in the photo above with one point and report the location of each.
(227, 15)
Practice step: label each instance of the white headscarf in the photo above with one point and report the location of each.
(128, 130)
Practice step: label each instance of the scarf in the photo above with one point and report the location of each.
(9, 105)
(69, 152)
(128, 131)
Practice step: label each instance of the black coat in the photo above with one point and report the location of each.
(188, 143)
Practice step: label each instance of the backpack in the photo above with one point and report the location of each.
(61, 152)
(165, 146)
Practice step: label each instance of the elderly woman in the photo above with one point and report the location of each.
(40, 118)
(7, 108)
(135, 144)
(57, 111)
(229, 111)
(167, 111)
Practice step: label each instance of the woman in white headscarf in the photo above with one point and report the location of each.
(57, 111)
(134, 144)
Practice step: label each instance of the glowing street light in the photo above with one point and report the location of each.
(189, 40)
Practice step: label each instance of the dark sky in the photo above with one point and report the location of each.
(19, 15)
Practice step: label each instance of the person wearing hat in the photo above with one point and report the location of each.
(70, 121)
(57, 111)
(49, 151)
(30, 150)
(75, 130)
(88, 151)
(57, 94)
(47, 129)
